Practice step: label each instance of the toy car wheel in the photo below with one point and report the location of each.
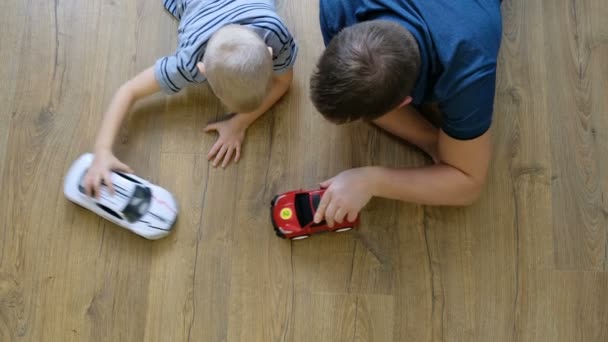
(342, 230)
(279, 234)
(301, 237)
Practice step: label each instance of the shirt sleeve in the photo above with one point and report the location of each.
(284, 47)
(286, 57)
(468, 114)
(175, 72)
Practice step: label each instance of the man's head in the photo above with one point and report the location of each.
(238, 67)
(366, 71)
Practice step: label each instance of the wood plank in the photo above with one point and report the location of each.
(564, 306)
(341, 317)
(598, 45)
(527, 262)
(580, 220)
(172, 291)
(10, 43)
(324, 317)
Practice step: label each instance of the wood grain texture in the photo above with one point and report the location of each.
(528, 262)
(579, 206)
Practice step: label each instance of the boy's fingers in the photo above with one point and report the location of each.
(88, 186)
(211, 127)
(96, 186)
(219, 155)
(237, 155)
(214, 149)
(320, 214)
(227, 157)
(120, 166)
(107, 179)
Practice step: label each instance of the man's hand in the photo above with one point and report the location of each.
(100, 170)
(346, 194)
(231, 135)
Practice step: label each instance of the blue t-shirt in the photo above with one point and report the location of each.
(458, 42)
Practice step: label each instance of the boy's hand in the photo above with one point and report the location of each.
(100, 170)
(346, 194)
(231, 134)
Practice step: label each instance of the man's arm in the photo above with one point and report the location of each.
(457, 180)
(232, 131)
(407, 124)
(142, 85)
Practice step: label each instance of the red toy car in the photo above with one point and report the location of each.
(292, 215)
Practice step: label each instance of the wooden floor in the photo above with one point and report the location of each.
(528, 262)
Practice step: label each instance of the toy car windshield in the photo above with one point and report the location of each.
(139, 204)
(303, 209)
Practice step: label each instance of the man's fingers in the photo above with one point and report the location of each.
(220, 155)
(320, 213)
(340, 213)
(352, 215)
(227, 157)
(216, 147)
(327, 183)
(330, 213)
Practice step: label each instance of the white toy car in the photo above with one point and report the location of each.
(137, 205)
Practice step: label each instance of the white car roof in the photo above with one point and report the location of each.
(123, 192)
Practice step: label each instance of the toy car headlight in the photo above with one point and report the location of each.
(286, 214)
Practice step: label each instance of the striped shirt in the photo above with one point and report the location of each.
(199, 19)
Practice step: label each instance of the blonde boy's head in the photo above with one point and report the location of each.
(238, 67)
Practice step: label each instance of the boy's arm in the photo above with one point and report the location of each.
(136, 88)
(457, 180)
(232, 131)
(142, 85)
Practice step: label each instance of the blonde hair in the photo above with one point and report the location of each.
(238, 67)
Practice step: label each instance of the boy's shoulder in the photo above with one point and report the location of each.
(223, 12)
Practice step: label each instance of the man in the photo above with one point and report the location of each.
(387, 57)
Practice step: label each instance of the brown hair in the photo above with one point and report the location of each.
(367, 70)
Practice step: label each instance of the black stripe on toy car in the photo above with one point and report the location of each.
(127, 177)
(159, 228)
(109, 211)
(158, 217)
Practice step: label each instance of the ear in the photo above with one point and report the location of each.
(406, 101)
(270, 50)
(201, 67)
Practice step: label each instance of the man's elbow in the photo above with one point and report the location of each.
(470, 192)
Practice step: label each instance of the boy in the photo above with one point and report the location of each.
(387, 56)
(241, 47)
